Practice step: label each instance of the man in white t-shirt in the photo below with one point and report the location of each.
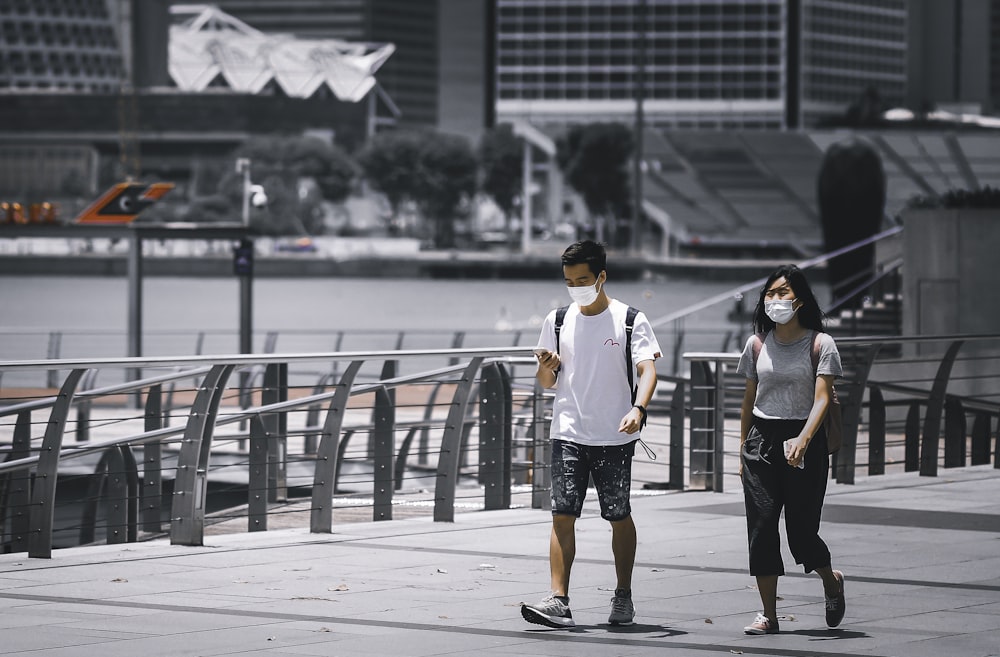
(596, 420)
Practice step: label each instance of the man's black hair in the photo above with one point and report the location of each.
(589, 252)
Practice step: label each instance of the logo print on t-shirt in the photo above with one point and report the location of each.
(610, 341)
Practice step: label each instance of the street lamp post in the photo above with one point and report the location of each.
(243, 264)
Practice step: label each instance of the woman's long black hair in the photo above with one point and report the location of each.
(810, 315)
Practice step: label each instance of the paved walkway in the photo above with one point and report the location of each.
(922, 558)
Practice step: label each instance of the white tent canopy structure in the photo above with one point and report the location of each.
(211, 43)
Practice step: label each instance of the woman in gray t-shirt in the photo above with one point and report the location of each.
(784, 461)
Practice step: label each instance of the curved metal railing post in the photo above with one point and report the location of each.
(43, 493)
(846, 458)
(980, 451)
(258, 492)
(494, 437)
(383, 446)
(187, 526)
(15, 487)
(151, 497)
(324, 476)
(935, 409)
(276, 426)
(541, 469)
(954, 432)
(911, 449)
(677, 414)
(876, 431)
(451, 444)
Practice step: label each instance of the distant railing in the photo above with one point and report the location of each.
(923, 392)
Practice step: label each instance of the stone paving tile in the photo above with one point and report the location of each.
(418, 587)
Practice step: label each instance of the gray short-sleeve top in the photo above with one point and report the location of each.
(784, 374)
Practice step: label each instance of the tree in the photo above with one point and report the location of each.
(446, 179)
(595, 158)
(436, 171)
(280, 164)
(331, 168)
(390, 164)
(851, 190)
(502, 163)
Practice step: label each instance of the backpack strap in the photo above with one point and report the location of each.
(758, 342)
(815, 351)
(629, 325)
(560, 317)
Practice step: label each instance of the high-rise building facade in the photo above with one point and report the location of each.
(700, 63)
(59, 45)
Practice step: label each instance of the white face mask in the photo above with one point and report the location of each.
(780, 310)
(585, 295)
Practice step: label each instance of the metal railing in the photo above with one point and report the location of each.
(469, 430)
(916, 400)
(433, 410)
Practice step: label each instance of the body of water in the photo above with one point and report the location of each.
(91, 313)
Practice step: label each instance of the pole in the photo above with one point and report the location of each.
(640, 93)
(526, 199)
(134, 305)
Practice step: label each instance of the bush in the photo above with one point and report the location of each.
(984, 197)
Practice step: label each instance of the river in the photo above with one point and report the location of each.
(90, 313)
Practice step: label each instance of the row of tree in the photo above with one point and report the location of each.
(439, 174)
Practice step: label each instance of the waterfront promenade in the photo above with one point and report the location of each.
(921, 555)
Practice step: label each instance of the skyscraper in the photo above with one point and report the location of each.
(703, 63)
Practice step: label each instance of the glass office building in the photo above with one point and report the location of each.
(703, 63)
(59, 45)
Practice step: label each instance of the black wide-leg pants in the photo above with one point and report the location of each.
(770, 485)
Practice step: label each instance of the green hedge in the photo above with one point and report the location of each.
(984, 197)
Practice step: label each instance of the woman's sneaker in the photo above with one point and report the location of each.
(553, 611)
(836, 605)
(622, 609)
(762, 625)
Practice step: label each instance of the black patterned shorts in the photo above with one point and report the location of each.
(573, 465)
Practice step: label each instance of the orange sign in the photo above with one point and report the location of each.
(123, 202)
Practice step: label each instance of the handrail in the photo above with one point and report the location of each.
(83, 449)
(255, 359)
(891, 268)
(943, 410)
(131, 386)
(754, 285)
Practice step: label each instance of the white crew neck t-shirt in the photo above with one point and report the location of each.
(591, 393)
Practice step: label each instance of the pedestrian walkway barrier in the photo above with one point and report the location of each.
(916, 404)
(130, 460)
(245, 443)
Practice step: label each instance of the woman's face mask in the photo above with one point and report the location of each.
(780, 311)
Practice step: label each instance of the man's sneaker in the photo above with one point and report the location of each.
(622, 609)
(762, 625)
(836, 605)
(553, 611)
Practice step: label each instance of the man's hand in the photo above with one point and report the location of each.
(632, 422)
(547, 359)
